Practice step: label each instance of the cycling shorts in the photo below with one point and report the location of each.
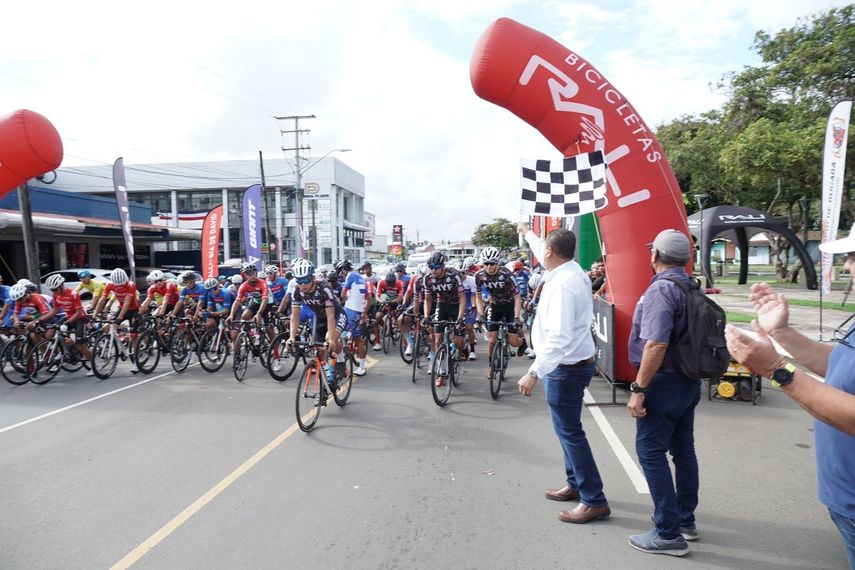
(321, 327)
(353, 325)
(503, 312)
(446, 312)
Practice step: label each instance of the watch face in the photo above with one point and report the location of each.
(782, 376)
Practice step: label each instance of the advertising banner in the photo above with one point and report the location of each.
(124, 214)
(834, 160)
(211, 243)
(252, 224)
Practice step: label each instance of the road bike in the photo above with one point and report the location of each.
(283, 362)
(50, 356)
(500, 358)
(251, 343)
(389, 333)
(445, 368)
(154, 342)
(13, 358)
(109, 346)
(185, 341)
(214, 346)
(313, 389)
(421, 345)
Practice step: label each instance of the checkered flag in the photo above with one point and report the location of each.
(572, 186)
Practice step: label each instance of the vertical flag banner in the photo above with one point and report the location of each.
(252, 225)
(121, 187)
(834, 160)
(211, 243)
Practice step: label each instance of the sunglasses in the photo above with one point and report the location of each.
(490, 263)
(435, 266)
(304, 280)
(158, 280)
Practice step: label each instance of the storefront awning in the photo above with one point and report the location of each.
(95, 227)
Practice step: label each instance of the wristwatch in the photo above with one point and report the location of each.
(636, 389)
(533, 374)
(784, 375)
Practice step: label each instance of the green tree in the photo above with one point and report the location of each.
(501, 233)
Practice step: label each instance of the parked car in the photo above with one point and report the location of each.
(72, 278)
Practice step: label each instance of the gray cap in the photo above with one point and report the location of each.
(673, 244)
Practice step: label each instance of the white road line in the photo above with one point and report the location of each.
(78, 404)
(632, 470)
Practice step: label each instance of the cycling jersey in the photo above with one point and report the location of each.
(356, 289)
(35, 307)
(221, 300)
(319, 299)
(446, 288)
(277, 289)
(471, 290)
(6, 300)
(416, 288)
(95, 288)
(405, 280)
(122, 293)
(335, 286)
(252, 292)
(392, 294)
(193, 295)
(521, 279)
(165, 290)
(501, 287)
(67, 301)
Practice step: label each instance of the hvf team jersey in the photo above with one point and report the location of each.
(319, 299)
(445, 288)
(501, 287)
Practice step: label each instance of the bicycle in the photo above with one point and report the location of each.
(389, 333)
(422, 345)
(152, 343)
(500, 358)
(404, 344)
(50, 355)
(214, 347)
(108, 348)
(313, 389)
(445, 368)
(184, 344)
(13, 359)
(252, 343)
(283, 362)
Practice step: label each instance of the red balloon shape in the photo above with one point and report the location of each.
(29, 147)
(578, 110)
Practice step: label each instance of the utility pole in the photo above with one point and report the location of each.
(298, 187)
(31, 247)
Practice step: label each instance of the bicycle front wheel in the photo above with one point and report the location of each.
(147, 351)
(386, 336)
(403, 346)
(212, 350)
(343, 385)
(440, 383)
(497, 367)
(310, 397)
(44, 362)
(105, 356)
(179, 351)
(241, 356)
(14, 371)
(282, 363)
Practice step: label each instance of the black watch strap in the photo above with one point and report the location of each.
(636, 389)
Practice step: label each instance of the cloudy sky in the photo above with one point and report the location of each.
(190, 81)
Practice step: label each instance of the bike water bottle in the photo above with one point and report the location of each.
(328, 373)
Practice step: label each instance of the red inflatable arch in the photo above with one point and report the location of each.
(29, 147)
(565, 98)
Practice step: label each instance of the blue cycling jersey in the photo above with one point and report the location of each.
(220, 301)
(277, 288)
(5, 300)
(191, 296)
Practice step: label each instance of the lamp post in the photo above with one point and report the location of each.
(314, 258)
(701, 200)
(805, 202)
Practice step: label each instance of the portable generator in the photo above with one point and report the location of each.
(738, 383)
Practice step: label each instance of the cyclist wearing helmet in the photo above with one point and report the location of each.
(390, 292)
(503, 303)
(192, 299)
(69, 309)
(95, 288)
(401, 273)
(277, 287)
(445, 300)
(218, 302)
(330, 319)
(254, 291)
(30, 308)
(471, 290)
(413, 300)
(521, 277)
(356, 302)
(285, 305)
(125, 292)
(160, 291)
(234, 284)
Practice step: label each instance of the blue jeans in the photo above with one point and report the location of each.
(846, 526)
(669, 426)
(565, 388)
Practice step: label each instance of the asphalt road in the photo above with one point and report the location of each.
(167, 474)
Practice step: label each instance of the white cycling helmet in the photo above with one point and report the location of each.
(249, 268)
(55, 281)
(490, 254)
(155, 275)
(271, 269)
(211, 283)
(422, 268)
(303, 269)
(236, 279)
(534, 281)
(119, 276)
(17, 291)
(467, 263)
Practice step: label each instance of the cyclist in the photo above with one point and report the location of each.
(503, 300)
(330, 319)
(445, 298)
(471, 308)
(254, 291)
(218, 302)
(355, 298)
(234, 283)
(521, 277)
(277, 287)
(67, 306)
(390, 292)
(403, 276)
(160, 291)
(95, 288)
(412, 302)
(125, 292)
(30, 308)
(192, 297)
(6, 305)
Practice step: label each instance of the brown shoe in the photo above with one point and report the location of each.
(582, 513)
(566, 493)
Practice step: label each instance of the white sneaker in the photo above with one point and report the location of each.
(472, 355)
(134, 369)
(377, 346)
(528, 351)
(360, 370)
(532, 355)
(409, 351)
(90, 374)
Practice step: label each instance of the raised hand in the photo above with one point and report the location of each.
(773, 310)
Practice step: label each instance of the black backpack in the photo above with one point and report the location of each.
(701, 352)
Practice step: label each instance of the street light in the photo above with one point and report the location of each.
(300, 172)
(701, 200)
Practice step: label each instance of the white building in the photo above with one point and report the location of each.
(179, 194)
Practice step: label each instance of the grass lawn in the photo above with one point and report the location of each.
(738, 317)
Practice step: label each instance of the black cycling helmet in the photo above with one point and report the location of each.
(437, 258)
(289, 274)
(343, 265)
(365, 265)
(400, 266)
(391, 278)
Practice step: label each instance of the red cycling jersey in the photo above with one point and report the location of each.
(122, 292)
(396, 291)
(37, 303)
(166, 289)
(257, 290)
(67, 301)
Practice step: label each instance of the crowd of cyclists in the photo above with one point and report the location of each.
(347, 305)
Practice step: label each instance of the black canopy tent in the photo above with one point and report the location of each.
(738, 225)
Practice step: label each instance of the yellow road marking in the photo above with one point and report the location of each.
(134, 555)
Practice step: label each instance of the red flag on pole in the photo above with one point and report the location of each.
(211, 243)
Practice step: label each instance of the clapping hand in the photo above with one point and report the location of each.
(773, 311)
